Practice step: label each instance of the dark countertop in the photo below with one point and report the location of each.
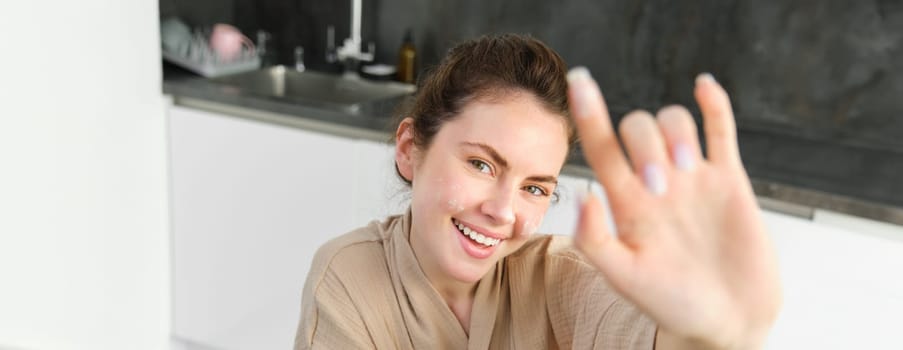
(183, 84)
(787, 192)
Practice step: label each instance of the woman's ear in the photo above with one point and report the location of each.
(404, 149)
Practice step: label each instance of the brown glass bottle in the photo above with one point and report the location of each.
(407, 55)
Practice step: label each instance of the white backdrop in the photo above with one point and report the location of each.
(83, 222)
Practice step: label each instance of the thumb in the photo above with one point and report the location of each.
(605, 251)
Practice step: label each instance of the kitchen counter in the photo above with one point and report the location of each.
(199, 92)
(190, 91)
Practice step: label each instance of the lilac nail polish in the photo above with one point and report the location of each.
(654, 179)
(683, 158)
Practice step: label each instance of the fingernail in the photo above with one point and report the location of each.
(704, 78)
(586, 95)
(683, 158)
(654, 179)
(579, 73)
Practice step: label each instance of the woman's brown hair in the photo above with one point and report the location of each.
(492, 66)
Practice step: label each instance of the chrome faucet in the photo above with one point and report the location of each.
(349, 53)
(299, 58)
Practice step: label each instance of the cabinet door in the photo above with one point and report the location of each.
(251, 203)
(561, 218)
(841, 288)
(378, 192)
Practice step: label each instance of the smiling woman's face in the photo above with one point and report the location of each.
(483, 185)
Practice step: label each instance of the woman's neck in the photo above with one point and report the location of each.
(456, 294)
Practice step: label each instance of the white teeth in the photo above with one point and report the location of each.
(476, 236)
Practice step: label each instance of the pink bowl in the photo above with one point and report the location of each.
(227, 41)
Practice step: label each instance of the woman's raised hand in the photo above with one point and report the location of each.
(690, 250)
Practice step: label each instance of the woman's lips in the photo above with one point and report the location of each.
(473, 248)
(476, 235)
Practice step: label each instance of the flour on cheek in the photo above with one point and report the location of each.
(450, 196)
(454, 205)
(529, 228)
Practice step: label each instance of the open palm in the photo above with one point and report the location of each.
(690, 250)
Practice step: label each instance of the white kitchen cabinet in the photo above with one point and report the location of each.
(561, 218)
(251, 203)
(841, 288)
(859, 225)
(378, 190)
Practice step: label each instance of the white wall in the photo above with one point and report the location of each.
(83, 215)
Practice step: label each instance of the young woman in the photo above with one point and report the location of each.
(690, 266)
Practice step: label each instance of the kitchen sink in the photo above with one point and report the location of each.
(348, 94)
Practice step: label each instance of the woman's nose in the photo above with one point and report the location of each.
(500, 206)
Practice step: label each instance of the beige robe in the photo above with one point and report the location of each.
(366, 290)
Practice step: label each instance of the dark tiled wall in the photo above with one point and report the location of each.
(816, 85)
(823, 67)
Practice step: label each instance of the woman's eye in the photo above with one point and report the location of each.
(482, 166)
(535, 190)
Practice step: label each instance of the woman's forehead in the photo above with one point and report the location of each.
(517, 127)
(505, 116)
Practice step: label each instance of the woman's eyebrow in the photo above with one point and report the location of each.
(501, 161)
(548, 178)
(496, 157)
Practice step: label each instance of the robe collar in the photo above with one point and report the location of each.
(428, 319)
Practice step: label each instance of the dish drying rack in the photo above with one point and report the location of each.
(197, 56)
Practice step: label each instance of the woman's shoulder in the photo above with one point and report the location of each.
(348, 250)
(344, 270)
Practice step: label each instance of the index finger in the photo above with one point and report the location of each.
(597, 137)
